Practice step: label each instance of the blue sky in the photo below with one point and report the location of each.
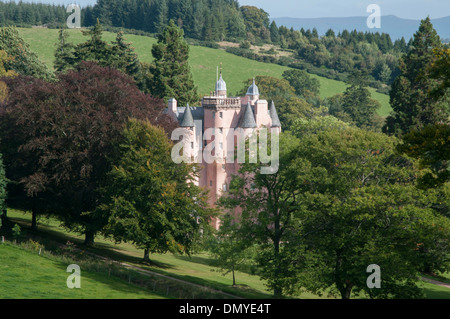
(407, 9)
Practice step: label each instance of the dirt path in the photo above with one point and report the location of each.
(439, 283)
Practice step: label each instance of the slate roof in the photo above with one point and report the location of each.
(221, 85)
(188, 120)
(273, 114)
(253, 89)
(248, 119)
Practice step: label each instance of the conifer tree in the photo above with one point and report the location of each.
(125, 59)
(64, 55)
(171, 72)
(95, 49)
(412, 105)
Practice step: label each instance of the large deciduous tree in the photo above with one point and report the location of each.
(63, 134)
(365, 210)
(148, 199)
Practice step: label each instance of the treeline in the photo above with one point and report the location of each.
(23, 14)
(208, 21)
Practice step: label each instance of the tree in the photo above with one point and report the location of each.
(303, 84)
(227, 247)
(274, 33)
(362, 208)
(63, 134)
(357, 103)
(95, 49)
(172, 77)
(289, 106)
(163, 210)
(3, 183)
(64, 55)
(409, 97)
(125, 59)
(431, 143)
(267, 203)
(25, 61)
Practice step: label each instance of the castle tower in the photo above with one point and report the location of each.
(221, 121)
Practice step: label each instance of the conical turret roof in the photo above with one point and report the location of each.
(248, 119)
(188, 120)
(273, 114)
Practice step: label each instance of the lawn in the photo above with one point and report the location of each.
(26, 275)
(203, 61)
(194, 269)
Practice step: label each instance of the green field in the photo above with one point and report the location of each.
(49, 278)
(204, 62)
(26, 275)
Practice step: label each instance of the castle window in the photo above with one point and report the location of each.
(224, 187)
(221, 115)
(210, 183)
(192, 144)
(221, 130)
(214, 115)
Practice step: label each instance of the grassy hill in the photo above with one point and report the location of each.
(49, 277)
(204, 62)
(26, 275)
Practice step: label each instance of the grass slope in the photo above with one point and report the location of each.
(203, 61)
(26, 275)
(195, 269)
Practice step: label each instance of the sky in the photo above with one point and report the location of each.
(406, 9)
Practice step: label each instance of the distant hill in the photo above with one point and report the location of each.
(396, 27)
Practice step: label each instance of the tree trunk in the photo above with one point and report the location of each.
(234, 278)
(146, 255)
(33, 219)
(89, 238)
(346, 291)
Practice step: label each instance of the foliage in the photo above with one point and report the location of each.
(64, 55)
(413, 107)
(304, 85)
(362, 208)
(163, 210)
(3, 183)
(431, 146)
(267, 203)
(172, 77)
(24, 60)
(227, 248)
(289, 106)
(63, 133)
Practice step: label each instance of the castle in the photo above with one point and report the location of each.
(212, 125)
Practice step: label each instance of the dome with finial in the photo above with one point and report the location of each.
(253, 89)
(220, 84)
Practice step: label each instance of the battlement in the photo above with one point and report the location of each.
(214, 102)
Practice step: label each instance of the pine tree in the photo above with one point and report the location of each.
(64, 54)
(171, 72)
(125, 59)
(94, 49)
(274, 33)
(412, 105)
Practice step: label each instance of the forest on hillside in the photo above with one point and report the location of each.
(209, 21)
